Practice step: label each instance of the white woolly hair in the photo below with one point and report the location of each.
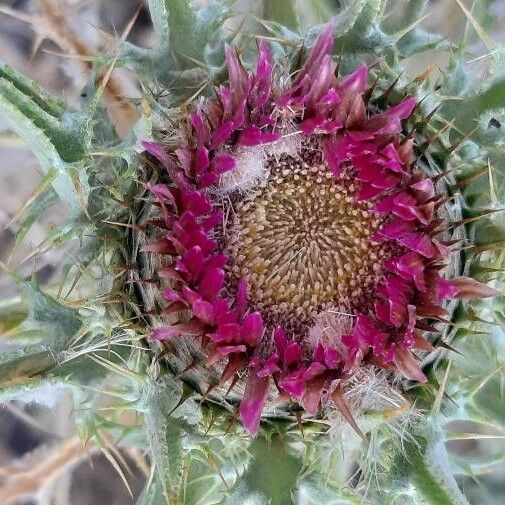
(252, 164)
(289, 144)
(250, 169)
(391, 419)
(370, 393)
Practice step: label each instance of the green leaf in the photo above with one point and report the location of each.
(356, 18)
(271, 475)
(153, 493)
(356, 29)
(184, 31)
(423, 463)
(316, 490)
(59, 139)
(70, 183)
(32, 90)
(58, 322)
(165, 433)
(189, 49)
(474, 105)
(44, 199)
(67, 133)
(12, 314)
(403, 16)
(163, 17)
(21, 365)
(283, 12)
(492, 98)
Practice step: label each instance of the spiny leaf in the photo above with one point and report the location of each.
(45, 198)
(12, 314)
(66, 132)
(44, 135)
(165, 433)
(271, 474)
(429, 477)
(58, 322)
(20, 366)
(283, 12)
(46, 101)
(408, 14)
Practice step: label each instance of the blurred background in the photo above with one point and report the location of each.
(53, 42)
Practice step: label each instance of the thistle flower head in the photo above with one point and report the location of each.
(302, 240)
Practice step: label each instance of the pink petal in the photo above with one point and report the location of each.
(171, 295)
(332, 358)
(222, 163)
(199, 238)
(419, 243)
(216, 261)
(322, 80)
(204, 311)
(187, 221)
(212, 221)
(201, 159)
(293, 383)
(191, 262)
(262, 87)
(176, 330)
(224, 315)
(196, 202)
(445, 289)
(251, 406)
(159, 153)
(470, 289)
(411, 266)
(185, 157)
(311, 124)
(382, 312)
(252, 329)
(211, 283)
(389, 122)
(331, 97)
(190, 295)
(321, 48)
(395, 229)
(424, 188)
(235, 363)
(253, 136)
(312, 394)
(170, 273)
(292, 353)
(207, 180)
(224, 350)
(237, 75)
(404, 109)
(227, 332)
(331, 156)
(318, 354)
(163, 192)
(270, 367)
(355, 82)
(222, 134)
(280, 340)
(201, 128)
(408, 366)
(241, 298)
(315, 369)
